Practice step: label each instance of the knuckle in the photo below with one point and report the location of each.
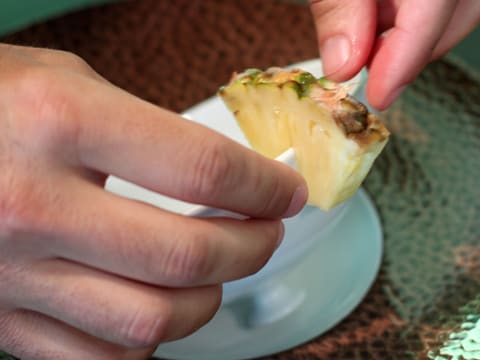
(273, 193)
(258, 263)
(324, 8)
(32, 84)
(205, 313)
(217, 296)
(317, 2)
(145, 329)
(28, 214)
(215, 303)
(12, 336)
(213, 172)
(270, 230)
(72, 59)
(43, 106)
(74, 62)
(12, 276)
(189, 261)
(128, 354)
(16, 210)
(27, 205)
(52, 106)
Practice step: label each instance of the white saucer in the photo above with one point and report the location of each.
(327, 291)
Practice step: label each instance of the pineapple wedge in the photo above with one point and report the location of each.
(335, 138)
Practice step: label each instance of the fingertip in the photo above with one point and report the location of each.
(393, 96)
(280, 234)
(346, 31)
(391, 69)
(341, 58)
(335, 53)
(381, 101)
(297, 202)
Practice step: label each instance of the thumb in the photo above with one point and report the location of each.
(346, 32)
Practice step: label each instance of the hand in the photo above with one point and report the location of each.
(395, 38)
(86, 274)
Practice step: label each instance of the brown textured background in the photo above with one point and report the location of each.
(177, 53)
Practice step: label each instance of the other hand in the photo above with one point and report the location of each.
(395, 38)
(86, 274)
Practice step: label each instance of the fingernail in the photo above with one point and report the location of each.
(394, 95)
(298, 201)
(281, 234)
(334, 53)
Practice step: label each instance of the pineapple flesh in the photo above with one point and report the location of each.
(335, 138)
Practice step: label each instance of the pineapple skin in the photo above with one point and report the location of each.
(334, 137)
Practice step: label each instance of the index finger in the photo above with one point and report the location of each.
(405, 49)
(117, 133)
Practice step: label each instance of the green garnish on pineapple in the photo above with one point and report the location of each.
(336, 139)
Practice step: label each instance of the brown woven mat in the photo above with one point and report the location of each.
(176, 53)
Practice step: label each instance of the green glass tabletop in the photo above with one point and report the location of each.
(426, 186)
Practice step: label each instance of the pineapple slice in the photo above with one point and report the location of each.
(335, 138)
